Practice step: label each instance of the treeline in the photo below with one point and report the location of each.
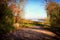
(53, 12)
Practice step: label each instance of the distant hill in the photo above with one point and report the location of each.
(32, 21)
(38, 20)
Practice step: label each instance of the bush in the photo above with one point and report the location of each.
(6, 19)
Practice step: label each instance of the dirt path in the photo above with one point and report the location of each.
(31, 34)
(39, 31)
(34, 33)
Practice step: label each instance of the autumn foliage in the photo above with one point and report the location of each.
(16, 12)
(6, 18)
(53, 10)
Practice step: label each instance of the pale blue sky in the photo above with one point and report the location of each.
(35, 9)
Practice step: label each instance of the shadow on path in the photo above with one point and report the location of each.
(30, 34)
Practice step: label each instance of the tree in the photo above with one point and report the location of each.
(53, 11)
(6, 18)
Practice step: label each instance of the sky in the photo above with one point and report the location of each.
(35, 9)
(58, 1)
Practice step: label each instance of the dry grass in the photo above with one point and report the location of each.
(17, 26)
